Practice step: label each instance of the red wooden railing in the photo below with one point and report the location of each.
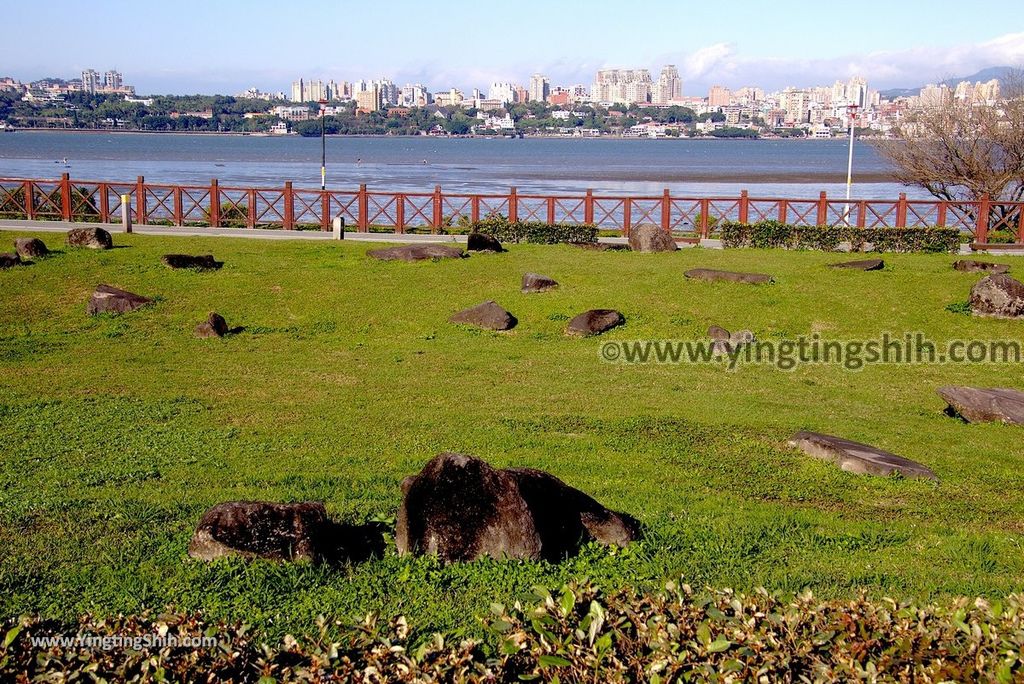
(289, 208)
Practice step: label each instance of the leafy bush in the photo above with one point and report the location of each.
(537, 232)
(575, 634)
(772, 234)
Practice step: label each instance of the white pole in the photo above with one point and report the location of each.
(849, 166)
(126, 213)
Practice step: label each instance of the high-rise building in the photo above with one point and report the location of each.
(540, 88)
(112, 80)
(369, 100)
(90, 81)
(796, 103)
(669, 86)
(857, 91)
(414, 96)
(298, 91)
(626, 86)
(505, 92)
(719, 96)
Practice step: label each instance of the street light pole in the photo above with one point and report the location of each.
(323, 146)
(851, 112)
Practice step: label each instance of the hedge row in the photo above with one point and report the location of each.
(768, 234)
(537, 232)
(576, 634)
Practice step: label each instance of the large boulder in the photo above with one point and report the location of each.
(972, 266)
(861, 265)
(30, 248)
(9, 260)
(93, 238)
(724, 342)
(648, 237)
(594, 322)
(421, 252)
(107, 299)
(984, 405)
(213, 326)
(998, 295)
(714, 275)
(535, 282)
(482, 242)
(204, 262)
(489, 315)
(261, 529)
(460, 508)
(855, 457)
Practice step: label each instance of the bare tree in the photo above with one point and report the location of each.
(961, 151)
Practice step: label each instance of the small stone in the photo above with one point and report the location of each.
(984, 405)
(535, 282)
(421, 252)
(107, 299)
(260, 529)
(855, 457)
(30, 248)
(713, 275)
(9, 260)
(205, 262)
(999, 296)
(648, 237)
(717, 332)
(861, 265)
(93, 238)
(489, 315)
(601, 246)
(213, 326)
(482, 242)
(594, 322)
(972, 266)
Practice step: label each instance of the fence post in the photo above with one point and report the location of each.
(399, 213)
(250, 218)
(940, 218)
(104, 203)
(126, 213)
(214, 204)
(289, 206)
(140, 201)
(438, 210)
(474, 204)
(513, 206)
(325, 210)
(551, 209)
(705, 223)
(783, 211)
(984, 209)
(666, 211)
(30, 200)
(901, 211)
(862, 214)
(627, 216)
(179, 219)
(744, 207)
(822, 209)
(588, 207)
(65, 197)
(364, 224)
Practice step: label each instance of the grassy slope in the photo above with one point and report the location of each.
(118, 432)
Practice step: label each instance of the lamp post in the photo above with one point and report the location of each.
(323, 146)
(851, 113)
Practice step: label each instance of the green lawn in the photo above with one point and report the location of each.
(117, 432)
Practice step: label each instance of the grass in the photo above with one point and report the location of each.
(118, 432)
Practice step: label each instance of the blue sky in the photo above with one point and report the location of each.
(227, 45)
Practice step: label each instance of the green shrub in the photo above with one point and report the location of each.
(537, 232)
(772, 234)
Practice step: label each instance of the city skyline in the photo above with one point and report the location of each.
(906, 45)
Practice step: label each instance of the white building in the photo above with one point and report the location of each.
(504, 92)
(540, 88)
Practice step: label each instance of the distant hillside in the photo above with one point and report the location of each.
(988, 74)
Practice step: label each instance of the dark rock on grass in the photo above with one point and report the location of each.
(999, 296)
(460, 508)
(93, 238)
(984, 405)
(855, 457)
(713, 275)
(861, 265)
(10, 260)
(972, 266)
(648, 237)
(725, 342)
(283, 532)
(535, 282)
(416, 253)
(213, 326)
(488, 315)
(107, 299)
(482, 242)
(601, 246)
(30, 248)
(204, 262)
(594, 322)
